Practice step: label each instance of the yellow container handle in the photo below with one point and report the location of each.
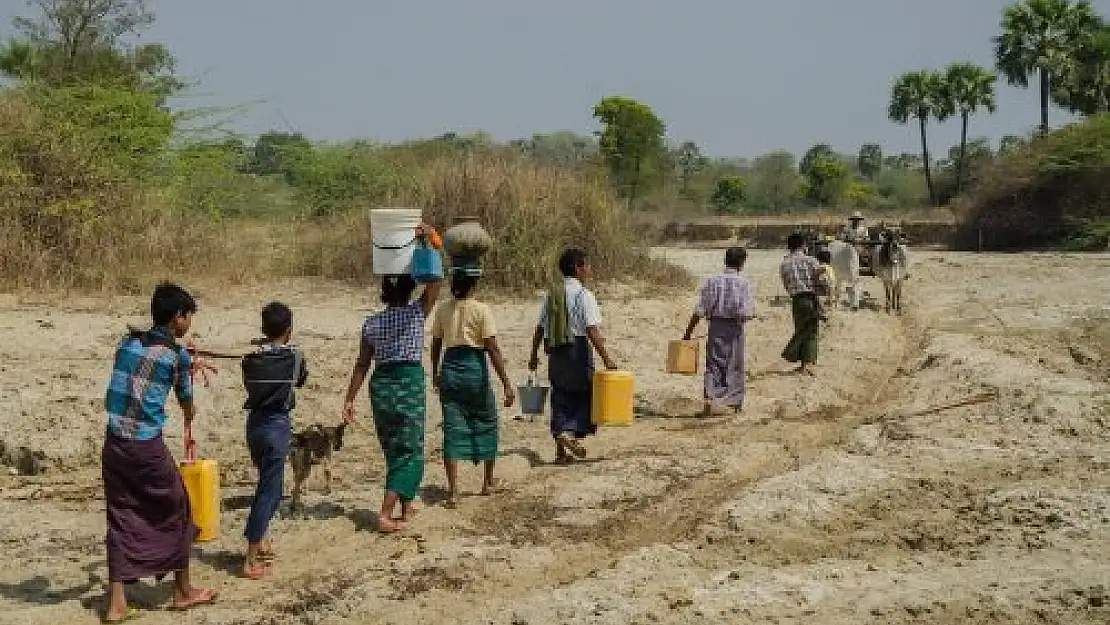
(190, 444)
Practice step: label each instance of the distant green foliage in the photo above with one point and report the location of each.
(870, 160)
(728, 194)
(631, 143)
(275, 152)
(330, 179)
(827, 177)
(127, 129)
(775, 182)
(1048, 192)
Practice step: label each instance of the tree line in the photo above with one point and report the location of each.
(75, 58)
(1063, 45)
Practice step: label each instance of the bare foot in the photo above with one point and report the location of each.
(196, 597)
(389, 526)
(409, 512)
(496, 485)
(257, 571)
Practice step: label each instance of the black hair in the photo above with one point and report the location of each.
(397, 290)
(824, 256)
(276, 320)
(169, 301)
(796, 241)
(462, 285)
(735, 257)
(571, 260)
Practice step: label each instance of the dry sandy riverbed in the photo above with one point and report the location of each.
(844, 499)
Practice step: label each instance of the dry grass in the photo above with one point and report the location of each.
(70, 221)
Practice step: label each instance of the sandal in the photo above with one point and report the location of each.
(129, 614)
(204, 596)
(573, 445)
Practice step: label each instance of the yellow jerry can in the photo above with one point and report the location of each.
(612, 398)
(202, 482)
(683, 357)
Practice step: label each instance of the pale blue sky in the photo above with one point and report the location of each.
(738, 77)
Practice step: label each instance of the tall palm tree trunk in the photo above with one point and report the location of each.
(925, 159)
(961, 167)
(1045, 89)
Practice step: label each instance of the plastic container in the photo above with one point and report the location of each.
(427, 264)
(612, 398)
(393, 231)
(202, 483)
(683, 357)
(533, 397)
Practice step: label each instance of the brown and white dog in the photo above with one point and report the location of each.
(311, 446)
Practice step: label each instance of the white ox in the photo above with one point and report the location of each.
(892, 265)
(845, 263)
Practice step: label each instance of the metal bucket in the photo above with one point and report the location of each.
(532, 398)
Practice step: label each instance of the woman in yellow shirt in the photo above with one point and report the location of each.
(463, 333)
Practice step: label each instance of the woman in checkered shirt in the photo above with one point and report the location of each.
(393, 341)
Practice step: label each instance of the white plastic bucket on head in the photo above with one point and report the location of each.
(393, 231)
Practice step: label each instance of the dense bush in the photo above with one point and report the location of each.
(1052, 191)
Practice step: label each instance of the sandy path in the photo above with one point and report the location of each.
(840, 499)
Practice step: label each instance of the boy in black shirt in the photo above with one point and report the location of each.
(269, 375)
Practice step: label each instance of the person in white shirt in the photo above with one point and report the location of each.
(569, 324)
(856, 231)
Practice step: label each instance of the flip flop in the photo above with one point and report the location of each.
(573, 445)
(205, 597)
(129, 614)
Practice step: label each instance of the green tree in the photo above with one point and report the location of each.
(1084, 85)
(1040, 37)
(128, 130)
(73, 42)
(274, 151)
(827, 179)
(728, 194)
(919, 95)
(870, 160)
(774, 181)
(967, 89)
(691, 162)
(812, 156)
(967, 155)
(631, 143)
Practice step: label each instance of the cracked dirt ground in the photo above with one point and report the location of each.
(871, 494)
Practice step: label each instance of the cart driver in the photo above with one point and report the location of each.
(856, 231)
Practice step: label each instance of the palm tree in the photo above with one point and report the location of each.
(967, 88)
(919, 95)
(1040, 37)
(1084, 87)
